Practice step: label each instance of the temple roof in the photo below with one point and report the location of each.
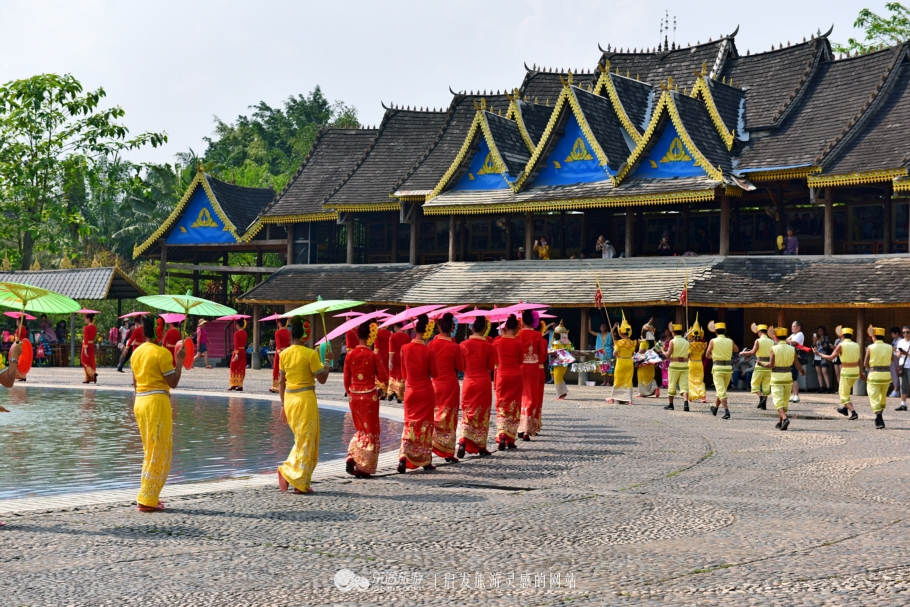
(702, 131)
(839, 93)
(403, 136)
(729, 103)
(429, 168)
(534, 117)
(544, 85)
(93, 284)
(635, 97)
(509, 143)
(659, 66)
(241, 205)
(334, 153)
(605, 126)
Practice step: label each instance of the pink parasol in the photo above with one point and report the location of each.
(475, 313)
(542, 316)
(170, 317)
(131, 314)
(409, 314)
(521, 307)
(437, 314)
(351, 324)
(272, 317)
(87, 311)
(350, 314)
(18, 314)
(234, 317)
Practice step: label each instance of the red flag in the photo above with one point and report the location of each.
(683, 296)
(598, 297)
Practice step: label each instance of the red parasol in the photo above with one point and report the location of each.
(351, 324)
(409, 314)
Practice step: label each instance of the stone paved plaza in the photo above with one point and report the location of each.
(612, 505)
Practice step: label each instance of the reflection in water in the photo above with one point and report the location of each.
(63, 441)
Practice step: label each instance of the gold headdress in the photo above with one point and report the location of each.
(374, 331)
(780, 331)
(428, 333)
(625, 328)
(696, 329)
(561, 329)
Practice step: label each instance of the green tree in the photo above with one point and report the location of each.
(51, 132)
(880, 31)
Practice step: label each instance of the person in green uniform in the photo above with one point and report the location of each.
(721, 350)
(783, 356)
(678, 353)
(761, 376)
(878, 364)
(849, 353)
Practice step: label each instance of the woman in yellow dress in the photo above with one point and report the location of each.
(154, 375)
(697, 348)
(646, 384)
(301, 368)
(624, 348)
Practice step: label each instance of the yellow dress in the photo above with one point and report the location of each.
(543, 251)
(151, 364)
(697, 370)
(679, 369)
(782, 381)
(646, 384)
(622, 376)
(849, 357)
(559, 371)
(722, 351)
(300, 365)
(877, 382)
(761, 376)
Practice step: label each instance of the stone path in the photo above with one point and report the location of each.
(612, 505)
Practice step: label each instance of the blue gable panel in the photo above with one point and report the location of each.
(483, 173)
(668, 158)
(572, 160)
(199, 224)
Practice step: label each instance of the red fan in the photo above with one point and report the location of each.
(25, 358)
(190, 353)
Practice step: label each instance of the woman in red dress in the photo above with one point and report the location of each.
(477, 392)
(238, 359)
(396, 381)
(381, 347)
(418, 368)
(509, 384)
(171, 339)
(534, 357)
(21, 335)
(449, 360)
(282, 341)
(363, 370)
(88, 350)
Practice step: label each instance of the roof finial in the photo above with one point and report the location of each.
(199, 167)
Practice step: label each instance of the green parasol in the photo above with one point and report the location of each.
(321, 306)
(187, 304)
(34, 299)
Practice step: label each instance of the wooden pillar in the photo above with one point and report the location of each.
(685, 229)
(861, 330)
(508, 254)
(583, 341)
(464, 239)
(349, 226)
(290, 248)
(829, 222)
(781, 318)
(162, 277)
(412, 256)
(887, 219)
(394, 229)
(779, 205)
(119, 307)
(629, 224)
(724, 248)
(453, 237)
(256, 362)
(680, 316)
(562, 234)
(529, 235)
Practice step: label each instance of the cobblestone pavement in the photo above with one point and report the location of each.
(611, 505)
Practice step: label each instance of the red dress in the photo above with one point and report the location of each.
(171, 338)
(89, 333)
(476, 393)
(418, 367)
(381, 347)
(238, 360)
(351, 340)
(362, 371)
(282, 341)
(396, 379)
(509, 382)
(449, 359)
(534, 354)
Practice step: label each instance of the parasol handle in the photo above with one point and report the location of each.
(325, 333)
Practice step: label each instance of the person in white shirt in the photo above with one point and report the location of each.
(902, 353)
(796, 338)
(606, 249)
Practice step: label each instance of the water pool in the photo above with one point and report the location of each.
(57, 441)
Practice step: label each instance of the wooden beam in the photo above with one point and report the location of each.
(290, 244)
(829, 222)
(220, 269)
(349, 227)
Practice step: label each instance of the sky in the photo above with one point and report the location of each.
(174, 66)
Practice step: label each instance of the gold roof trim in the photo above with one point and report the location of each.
(797, 173)
(702, 87)
(855, 178)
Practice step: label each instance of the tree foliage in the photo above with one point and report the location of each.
(880, 31)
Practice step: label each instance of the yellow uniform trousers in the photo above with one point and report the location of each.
(877, 388)
(846, 387)
(722, 377)
(678, 379)
(154, 418)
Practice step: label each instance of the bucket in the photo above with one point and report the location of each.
(590, 383)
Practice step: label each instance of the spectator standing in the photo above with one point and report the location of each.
(895, 369)
(604, 247)
(202, 343)
(796, 339)
(603, 347)
(902, 352)
(663, 249)
(821, 344)
(48, 329)
(542, 248)
(791, 244)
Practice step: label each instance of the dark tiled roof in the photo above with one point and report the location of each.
(430, 167)
(403, 136)
(836, 94)
(701, 129)
(535, 117)
(884, 141)
(791, 281)
(241, 205)
(80, 283)
(333, 154)
(546, 85)
(605, 124)
(775, 81)
(657, 67)
(728, 100)
(637, 99)
(509, 143)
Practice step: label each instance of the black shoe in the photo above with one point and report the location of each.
(669, 407)
(512, 446)
(461, 450)
(502, 445)
(879, 422)
(713, 410)
(901, 408)
(349, 467)
(429, 468)
(402, 466)
(484, 453)
(686, 406)
(726, 414)
(853, 417)
(777, 425)
(521, 435)
(762, 404)
(451, 460)
(843, 411)
(119, 370)
(785, 424)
